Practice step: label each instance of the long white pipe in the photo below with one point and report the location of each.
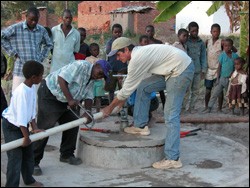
(34, 137)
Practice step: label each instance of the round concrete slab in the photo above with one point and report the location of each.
(120, 150)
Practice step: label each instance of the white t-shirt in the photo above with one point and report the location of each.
(159, 59)
(22, 108)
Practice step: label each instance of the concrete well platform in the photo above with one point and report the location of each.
(121, 150)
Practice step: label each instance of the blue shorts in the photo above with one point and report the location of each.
(209, 83)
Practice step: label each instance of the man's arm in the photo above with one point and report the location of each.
(115, 103)
(64, 87)
(6, 35)
(47, 45)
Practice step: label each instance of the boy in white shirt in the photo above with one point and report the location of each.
(16, 120)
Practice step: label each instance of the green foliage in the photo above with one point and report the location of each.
(214, 7)
(172, 8)
(162, 5)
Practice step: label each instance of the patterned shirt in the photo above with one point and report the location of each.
(213, 52)
(197, 51)
(77, 74)
(227, 64)
(27, 44)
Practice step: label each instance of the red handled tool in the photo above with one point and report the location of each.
(189, 133)
(99, 130)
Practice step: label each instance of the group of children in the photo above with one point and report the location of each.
(217, 62)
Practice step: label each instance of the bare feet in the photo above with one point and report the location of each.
(36, 184)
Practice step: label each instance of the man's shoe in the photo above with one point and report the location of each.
(167, 164)
(37, 171)
(135, 130)
(71, 160)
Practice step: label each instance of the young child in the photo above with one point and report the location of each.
(150, 32)
(115, 64)
(99, 91)
(143, 40)
(196, 49)
(214, 49)
(16, 120)
(237, 90)
(84, 48)
(182, 37)
(225, 69)
(94, 51)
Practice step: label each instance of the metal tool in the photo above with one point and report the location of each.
(89, 114)
(124, 119)
(123, 112)
(189, 133)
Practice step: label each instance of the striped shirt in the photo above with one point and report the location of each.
(27, 44)
(78, 76)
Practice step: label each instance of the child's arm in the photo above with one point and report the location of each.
(26, 137)
(218, 74)
(206, 43)
(203, 59)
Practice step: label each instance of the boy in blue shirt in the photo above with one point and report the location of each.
(226, 68)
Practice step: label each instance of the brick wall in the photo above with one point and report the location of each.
(142, 20)
(95, 17)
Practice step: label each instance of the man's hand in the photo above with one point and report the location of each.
(106, 111)
(116, 106)
(88, 117)
(73, 103)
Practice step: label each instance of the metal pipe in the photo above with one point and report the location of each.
(34, 137)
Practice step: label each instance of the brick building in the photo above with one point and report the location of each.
(99, 16)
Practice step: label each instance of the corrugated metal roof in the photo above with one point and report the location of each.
(138, 9)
